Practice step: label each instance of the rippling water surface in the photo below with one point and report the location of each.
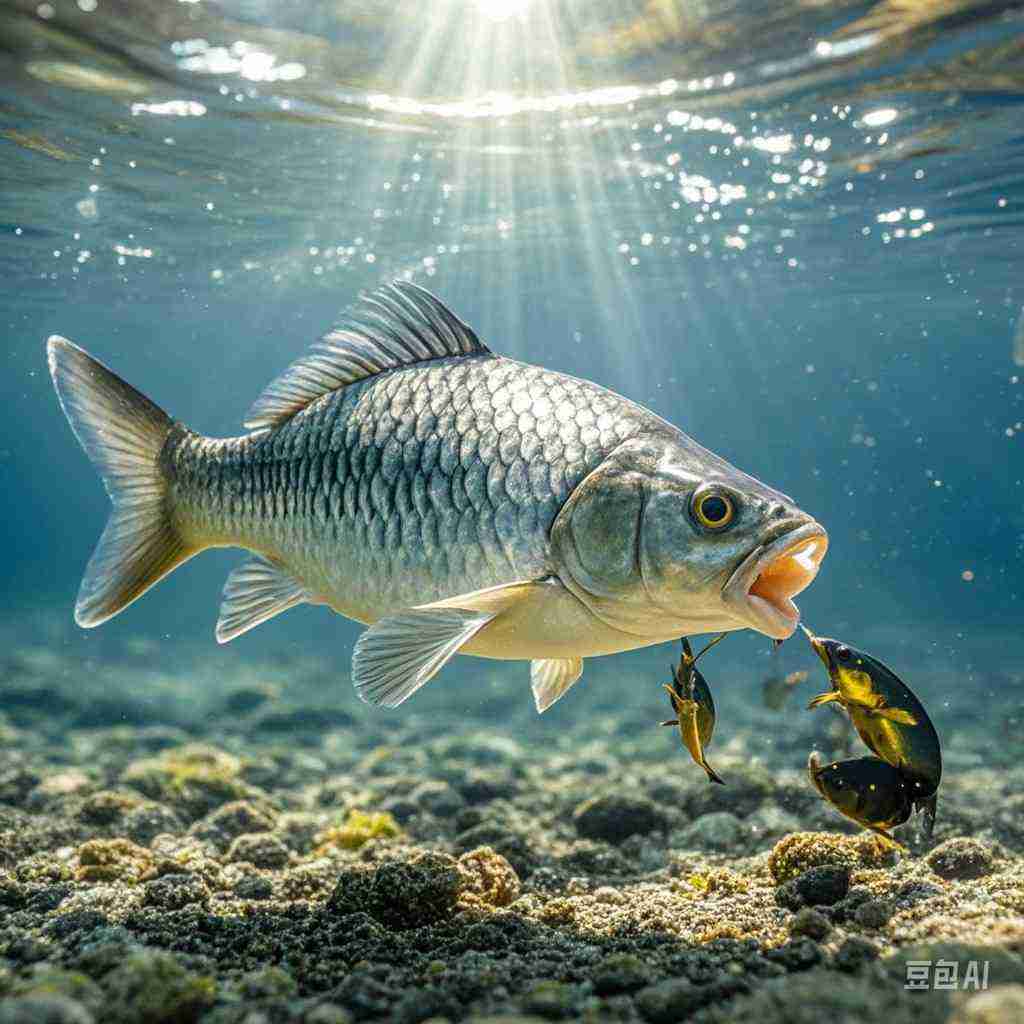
(792, 228)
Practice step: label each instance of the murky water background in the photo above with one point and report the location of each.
(793, 229)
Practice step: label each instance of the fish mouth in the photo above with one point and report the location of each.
(762, 587)
(819, 648)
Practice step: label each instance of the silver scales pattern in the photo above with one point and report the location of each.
(416, 484)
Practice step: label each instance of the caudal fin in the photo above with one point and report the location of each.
(123, 433)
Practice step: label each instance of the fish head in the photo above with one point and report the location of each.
(666, 535)
(838, 785)
(860, 678)
(865, 789)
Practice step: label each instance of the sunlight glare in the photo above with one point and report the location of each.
(501, 10)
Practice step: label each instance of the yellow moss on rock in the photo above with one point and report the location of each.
(490, 880)
(113, 860)
(800, 851)
(715, 882)
(358, 828)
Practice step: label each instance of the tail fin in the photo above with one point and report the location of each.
(123, 433)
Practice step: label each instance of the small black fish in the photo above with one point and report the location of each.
(694, 706)
(888, 717)
(867, 790)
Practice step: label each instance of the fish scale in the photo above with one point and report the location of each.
(411, 485)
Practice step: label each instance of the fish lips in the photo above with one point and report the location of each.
(761, 588)
(820, 646)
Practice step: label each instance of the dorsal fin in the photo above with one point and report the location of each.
(396, 325)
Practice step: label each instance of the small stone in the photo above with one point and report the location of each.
(47, 982)
(810, 922)
(874, 913)
(151, 986)
(401, 894)
(142, 824)
(267, 983)
(263, 850)
(821, 886)
(614, 817)
(669, 1002)
(437, 797)
(511, 845)
(854, 953)
(719, 830)
(327, 1013)
(174, 892)
(962, 857)
(770, 821)
(490, 879)
(43, 1010)
(1002, 1004)
(621, 972)
(552, 1000)
(254, 887)
(238, 818)
(112, 860)
(798, 954)
(401, 808)
(107, 807)
(802, 850)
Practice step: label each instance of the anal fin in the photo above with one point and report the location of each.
(254, 592)
(551, 677)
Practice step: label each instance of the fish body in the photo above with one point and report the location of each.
(888, 717)
(451, 499)
(694, 708)
(867, 790)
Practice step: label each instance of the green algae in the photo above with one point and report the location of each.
(358, 828)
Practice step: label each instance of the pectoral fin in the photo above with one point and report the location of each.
(254, 592)
(822, 698)
(898, 715)
(551, 677)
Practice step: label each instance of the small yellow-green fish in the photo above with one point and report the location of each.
(866, 789)
(36, 143)
(91, 79)
(694, 706)
(776, 688)
(451, 499)
(887, 716)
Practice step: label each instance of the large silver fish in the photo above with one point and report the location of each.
(455, 500)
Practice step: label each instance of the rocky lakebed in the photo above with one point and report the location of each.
(255, 847)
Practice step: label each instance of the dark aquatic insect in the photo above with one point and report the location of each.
(887, 716)
(451, 499)
(776, 688)
(693, 705)
(867, 790)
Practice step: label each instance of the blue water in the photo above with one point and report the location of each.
(795, 232)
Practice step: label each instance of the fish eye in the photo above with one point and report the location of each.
(713, 509)
(843, 652)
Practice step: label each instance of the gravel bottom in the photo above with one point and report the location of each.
(256, 852)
